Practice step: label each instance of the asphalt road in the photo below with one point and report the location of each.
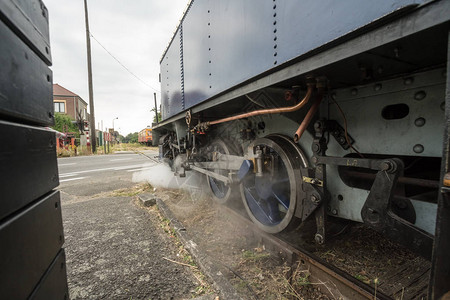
(115, 249)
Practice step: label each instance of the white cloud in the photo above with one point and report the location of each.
(135, 32)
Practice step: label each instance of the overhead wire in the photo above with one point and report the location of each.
(120, 63)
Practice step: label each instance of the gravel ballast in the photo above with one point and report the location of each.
(116, 250)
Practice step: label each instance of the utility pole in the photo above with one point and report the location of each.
(91, 93)
(156, 109)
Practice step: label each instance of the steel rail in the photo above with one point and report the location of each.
(331, 280)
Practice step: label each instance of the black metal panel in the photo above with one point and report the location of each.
(25, 82)
(29, 242)
(171, 79)
(29, 20)
(53, 285)
(28, 167)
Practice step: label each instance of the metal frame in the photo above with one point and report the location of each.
(440, 269)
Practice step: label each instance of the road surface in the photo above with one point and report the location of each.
(115, 249)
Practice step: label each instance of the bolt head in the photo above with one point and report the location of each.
(318, 238)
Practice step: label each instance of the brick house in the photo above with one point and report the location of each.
(67, 102)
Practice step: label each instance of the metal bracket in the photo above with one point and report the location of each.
(312, 180)
(339, 134)
(377, 213)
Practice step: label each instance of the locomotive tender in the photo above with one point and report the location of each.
(309, 109)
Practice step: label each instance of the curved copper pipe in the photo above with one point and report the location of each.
(269, 110)
(311, 112)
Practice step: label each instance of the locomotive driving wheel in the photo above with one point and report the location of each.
(221, 192)
(272, 193)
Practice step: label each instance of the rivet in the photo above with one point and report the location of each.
(210, 86)
(209, 61)
(209, 24)
(274, 22)
(275, 54)
(420, 95)
(274, 15)
(275, 6)
(333, 96)
(354, 92)
(209, 36)
(275, 30)
(419, 122)
(408, 81)
(377, 87)
(418, 148)
(209, 11)
(275, 47)
(275, 38)
(275, 62)
(209, 74)
(334, 211)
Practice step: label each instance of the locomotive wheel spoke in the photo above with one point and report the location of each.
(220, 192)
(271, 197)
(263, 213)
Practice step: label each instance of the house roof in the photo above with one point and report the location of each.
(61, 91)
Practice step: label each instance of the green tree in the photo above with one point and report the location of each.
(154, 117)
(131, 138)
(64, 123)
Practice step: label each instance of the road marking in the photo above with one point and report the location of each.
(70, 179)
(119, 159)
(68, 175)
(103, 169)
(67, 164)
(140, 169)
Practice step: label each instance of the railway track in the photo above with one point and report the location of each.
(406, 278)
(406, 281)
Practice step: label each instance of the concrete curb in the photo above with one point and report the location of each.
(211, 270)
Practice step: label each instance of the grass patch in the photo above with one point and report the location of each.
(130, 192)
(130, 147)
(182, 256)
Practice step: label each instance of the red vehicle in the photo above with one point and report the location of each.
(145, 136)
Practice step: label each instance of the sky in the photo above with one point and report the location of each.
(135, 32)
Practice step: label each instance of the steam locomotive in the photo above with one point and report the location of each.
(310, 109)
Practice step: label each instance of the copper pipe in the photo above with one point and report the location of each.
(270, 110)
(311, 112)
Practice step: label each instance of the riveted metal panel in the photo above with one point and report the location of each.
(28, 167)
(196, 53)
(306, 25)
(171, 79)
(25, 82)
(29, 242)
(226, 43)
(29, 20)
(53, 285)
